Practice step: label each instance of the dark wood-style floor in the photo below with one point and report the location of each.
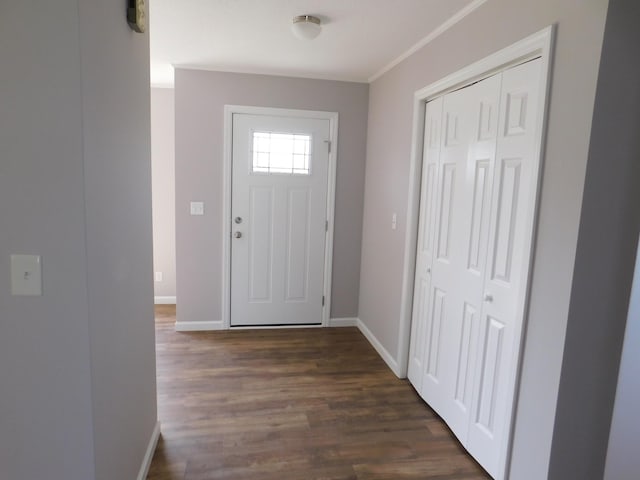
(290, 405)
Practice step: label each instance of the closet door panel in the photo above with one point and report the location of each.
(508, 255)
(426, 235)
(438, 382)
(473, 219)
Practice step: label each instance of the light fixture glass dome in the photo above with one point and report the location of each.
(306, 27)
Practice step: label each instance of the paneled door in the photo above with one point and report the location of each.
(469, 247)
(450, 275)
(444, 293)
(513, 199)
(425, 250)
(279, 215)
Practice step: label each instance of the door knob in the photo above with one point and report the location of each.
(488, 297)
(237, 234)
(238, 220)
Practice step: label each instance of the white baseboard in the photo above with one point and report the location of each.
(271, 327)
(343, 322)
(199, 326)
(160, 300)
(386, 356)
(148, 456)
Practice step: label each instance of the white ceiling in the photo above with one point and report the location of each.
(359, 39)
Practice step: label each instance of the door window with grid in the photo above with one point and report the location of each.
(281, 153)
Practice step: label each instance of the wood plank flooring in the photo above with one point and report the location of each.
(292, 404)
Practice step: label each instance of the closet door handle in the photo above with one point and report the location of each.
(488, 297)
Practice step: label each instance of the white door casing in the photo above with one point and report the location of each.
(279, 252)
(468, 341)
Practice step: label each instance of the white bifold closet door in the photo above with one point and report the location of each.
(479, 184)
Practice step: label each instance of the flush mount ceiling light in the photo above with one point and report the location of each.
(306, 27)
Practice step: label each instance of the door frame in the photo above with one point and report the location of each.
(229, 111)
(540, 45)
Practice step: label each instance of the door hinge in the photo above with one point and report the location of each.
(326, 225)
(323, 300)
(328, 142)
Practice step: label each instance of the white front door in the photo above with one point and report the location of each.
(279, 214)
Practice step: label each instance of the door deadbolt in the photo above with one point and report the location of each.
(238, 220)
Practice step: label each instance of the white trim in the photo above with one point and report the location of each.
(199, 326)
(343, 322)
(429, 38)
(274, 73)
(164, 300)
(537, 45)
(375, 343)
(331, 207)
(526, 49)
(275, 327)
(411, 237)
(229, 111)
(226, 215)
(148, 456)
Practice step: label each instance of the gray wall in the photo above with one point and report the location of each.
(164, 189)
(44, 341)
(200, 100)
(607, 243)
(117, 172)
(493, 26)
(77, 365)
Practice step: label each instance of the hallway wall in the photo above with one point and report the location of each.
(493, 26)
(163, 191)
(77, 364)
(200, 99)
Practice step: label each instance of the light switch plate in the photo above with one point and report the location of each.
(26, 275)
(197, 208)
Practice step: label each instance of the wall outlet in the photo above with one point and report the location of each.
(158, 276)
(197, 208)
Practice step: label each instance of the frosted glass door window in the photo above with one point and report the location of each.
(281, 153)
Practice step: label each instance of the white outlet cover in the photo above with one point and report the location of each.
(26, 275)
(197, 208)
